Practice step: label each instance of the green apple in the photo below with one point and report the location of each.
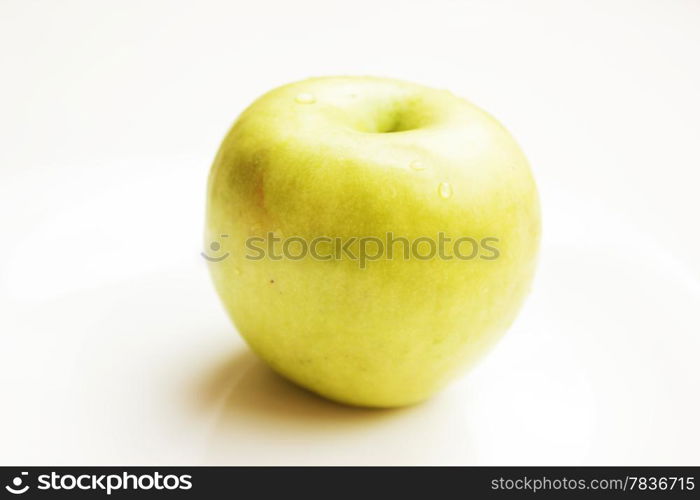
(363, 157)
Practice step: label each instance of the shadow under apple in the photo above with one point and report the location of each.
(244, 385)
(249, 403)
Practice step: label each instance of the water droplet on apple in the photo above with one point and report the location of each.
(417, 165)
(236, 271)
(445, 190)
(305, 98)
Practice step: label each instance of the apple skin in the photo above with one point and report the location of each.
(333, 157)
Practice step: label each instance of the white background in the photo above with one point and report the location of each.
(114, 348)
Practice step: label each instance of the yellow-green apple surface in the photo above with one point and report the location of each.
(339, 158)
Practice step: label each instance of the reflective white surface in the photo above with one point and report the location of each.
(113, 346)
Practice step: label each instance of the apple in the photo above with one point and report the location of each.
(359, 160)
